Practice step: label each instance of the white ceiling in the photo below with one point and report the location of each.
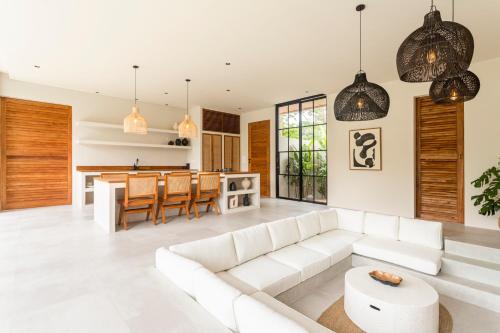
(278, 49)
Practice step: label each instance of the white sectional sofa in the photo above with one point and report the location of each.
(235, 276)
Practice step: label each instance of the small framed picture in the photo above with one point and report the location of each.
(365, 149)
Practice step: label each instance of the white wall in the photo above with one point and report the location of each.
(258, 115)
(391, 190)
(94, 107)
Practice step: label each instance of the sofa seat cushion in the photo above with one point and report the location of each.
(310, 325)
(216, 296)
(307, 261)
(344, 236)
(417, 257)
(336, 250)
(237, 283)
(266, 274)
(255, 317)
(178, 269)
(215, 253)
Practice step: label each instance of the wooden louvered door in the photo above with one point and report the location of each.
(259, 153)
(232, 152)
(35, 154)
(211, 152)
(439, 161)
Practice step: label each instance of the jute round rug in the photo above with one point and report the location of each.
(336, 319)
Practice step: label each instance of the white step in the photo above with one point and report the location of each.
(473, 251)
(471, 269)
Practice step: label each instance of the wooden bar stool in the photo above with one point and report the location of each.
(207, 192)
(176, 194)
(141, 194)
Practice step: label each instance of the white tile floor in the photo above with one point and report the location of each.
(60, 273)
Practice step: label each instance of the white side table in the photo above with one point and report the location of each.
(413, 306)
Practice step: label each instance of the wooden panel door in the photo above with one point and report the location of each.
(439, 161)
(232, 152)
(35, 154)
(211, 152)
(259, 153)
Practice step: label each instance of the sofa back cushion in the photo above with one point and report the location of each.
(253, 316)
(351, 220)
(328, 220)
(252, 242)
(380, 225)
(216, 296)
(421, 232)
(178, 269)
(215, 253)
(308, 225)
(283, 232)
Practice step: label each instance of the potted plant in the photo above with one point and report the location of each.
(490, 198)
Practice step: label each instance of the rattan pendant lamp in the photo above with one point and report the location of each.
(456, 86)
(433, 49)
(188, 129)
(361, 100)
(135, 122)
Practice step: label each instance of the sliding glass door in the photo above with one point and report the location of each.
(301, 150)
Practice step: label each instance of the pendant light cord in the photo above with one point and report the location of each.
(135, 85)
(452, 10)
(187, 96)
(360, 40)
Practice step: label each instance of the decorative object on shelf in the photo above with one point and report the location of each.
(490, 198)
(178, 142)
(185, 142)
(386, 278)
(246, 200)
(431, 50)
(136, 164)
(135, 122)
(455, 85)
(175, 127)
(246, 183)
(170, 143)
(187, 128)
(362, 100)
(232, 186)
(365, 149)
(233, 202)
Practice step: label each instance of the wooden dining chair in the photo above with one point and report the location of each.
(176, 194)
(141, 194)
(207, 192)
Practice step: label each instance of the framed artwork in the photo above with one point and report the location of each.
(365, 149)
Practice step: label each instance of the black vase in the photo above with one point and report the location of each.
(232, 186)
(185, 142)
(178, 142)
(246, 200)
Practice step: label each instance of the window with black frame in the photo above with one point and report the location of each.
(301, 150)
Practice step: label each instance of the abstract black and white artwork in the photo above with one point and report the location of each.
(365, 149)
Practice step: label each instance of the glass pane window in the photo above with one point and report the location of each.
(301, 150)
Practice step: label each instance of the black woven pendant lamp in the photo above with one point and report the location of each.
(429, 51)
(361, 100)
(456, 86)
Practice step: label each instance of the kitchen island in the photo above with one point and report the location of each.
(106, 193)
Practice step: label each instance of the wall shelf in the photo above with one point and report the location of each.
(95, 124)
(131, 144)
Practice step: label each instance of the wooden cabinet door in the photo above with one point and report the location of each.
(211, 152)
(439, 161)
(35, 154)
(259, 153)
(232, 152)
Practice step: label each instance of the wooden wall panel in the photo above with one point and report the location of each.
(36, 154)
(439, 161)
(216, 121)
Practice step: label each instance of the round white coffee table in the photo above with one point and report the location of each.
(413, 306)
